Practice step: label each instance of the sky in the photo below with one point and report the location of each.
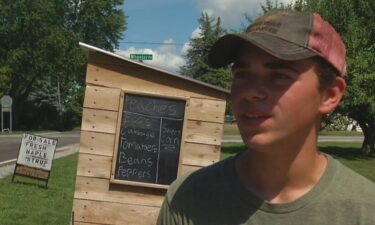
(163, 28)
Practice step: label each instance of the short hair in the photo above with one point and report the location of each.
(326, 73)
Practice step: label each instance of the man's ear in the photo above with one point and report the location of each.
(332, 95)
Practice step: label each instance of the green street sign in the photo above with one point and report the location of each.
(141, 56)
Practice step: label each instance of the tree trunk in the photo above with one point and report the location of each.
(368, 144)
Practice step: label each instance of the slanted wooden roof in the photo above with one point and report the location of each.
(89, 48)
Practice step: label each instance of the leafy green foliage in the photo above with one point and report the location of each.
(336, 122)
(197, 56)
(354, 20)
(4, 80)
(41, 62)
(98, 23)
(271, 5)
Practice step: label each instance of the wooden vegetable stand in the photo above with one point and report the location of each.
(141, 129)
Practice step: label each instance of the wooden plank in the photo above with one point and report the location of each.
(97, 143)
(138, 79)
(102, 98)
(31, 172)
(101, 59)
(188, 169)
(204, 132)
(117, 138)
(102, 190)
(138, 184)
(206, 110)
(114, 213)
(99, 120)
(200, 154)
(94, 166)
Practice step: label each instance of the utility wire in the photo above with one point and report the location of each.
(152, 43)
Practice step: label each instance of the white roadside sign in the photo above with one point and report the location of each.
(37, 151)
(6, 103)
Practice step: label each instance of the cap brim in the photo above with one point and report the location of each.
(225, 50)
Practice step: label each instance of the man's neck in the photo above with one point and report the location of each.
(282, 174)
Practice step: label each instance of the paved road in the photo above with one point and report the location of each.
(9, 145)
(237, 138)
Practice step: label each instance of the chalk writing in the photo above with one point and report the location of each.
(135, 160)
(134, 145)
(170, 136)
(133, 173)
(151, 107)
(155, 106)
(139, 121)
(137, 132)
(150, 137)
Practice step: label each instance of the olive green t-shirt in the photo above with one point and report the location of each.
(215, 195)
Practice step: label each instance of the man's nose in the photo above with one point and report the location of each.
(256, 91)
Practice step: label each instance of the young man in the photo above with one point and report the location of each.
(288, 73)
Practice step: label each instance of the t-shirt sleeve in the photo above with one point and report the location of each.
(166, 215)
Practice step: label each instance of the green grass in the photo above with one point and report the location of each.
(25, 202)
(347, 153)
(350, 155)
(232, 129)
(19, 132)
(340, 133)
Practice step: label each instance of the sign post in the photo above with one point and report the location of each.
(35, 157)
(6, 106)
(141, 57)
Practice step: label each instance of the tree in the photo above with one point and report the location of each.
(271, 5)
(197, 55)
(4, 80)
(39, 53)
(355, 21)
(98, 22)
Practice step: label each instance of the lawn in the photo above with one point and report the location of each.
(25, 202)
(340, 133)
(347, 153)
(232, 129)
(20, 132)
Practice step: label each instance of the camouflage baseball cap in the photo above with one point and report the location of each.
(287, 35)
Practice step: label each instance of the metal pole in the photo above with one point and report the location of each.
(10, 111)
(58, 90)
(2, 120)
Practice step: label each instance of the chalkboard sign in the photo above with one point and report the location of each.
(149, 139)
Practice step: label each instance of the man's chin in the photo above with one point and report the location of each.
(256, 140)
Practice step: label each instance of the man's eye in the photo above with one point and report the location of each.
(280, 76)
